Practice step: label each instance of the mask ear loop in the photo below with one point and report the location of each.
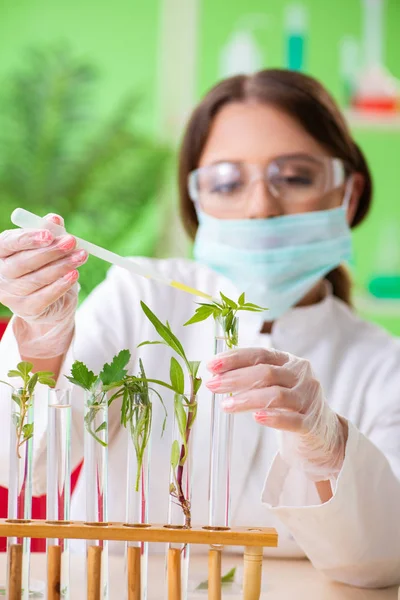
(348, 192)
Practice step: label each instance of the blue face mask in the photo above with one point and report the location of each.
(275, 261)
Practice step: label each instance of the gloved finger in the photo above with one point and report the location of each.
(284, 420)
(27, 284)
(57, 219)
(248, 378)
(246, 357)
(36, 304)
(29, 261)
(275, 397)
(16, 240)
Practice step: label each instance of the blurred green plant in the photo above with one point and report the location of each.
(58, 155)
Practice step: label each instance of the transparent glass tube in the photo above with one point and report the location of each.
(139, 445)
(96, 472)
(59, 473)
(180, 487)
(20, 471)
(226, 334)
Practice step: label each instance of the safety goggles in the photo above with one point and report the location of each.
(294, 180)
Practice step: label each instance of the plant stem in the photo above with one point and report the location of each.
(24, 407)
(185, 502)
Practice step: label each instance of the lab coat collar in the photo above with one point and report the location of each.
(304, 321)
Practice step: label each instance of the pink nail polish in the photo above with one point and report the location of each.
(67, 243)
(213, 384)
(44, 236)
(71, 277)
(79, 257)
(216, 365)
(260, 418)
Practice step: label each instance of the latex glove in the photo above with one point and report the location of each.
(285, 395)
(38, 284)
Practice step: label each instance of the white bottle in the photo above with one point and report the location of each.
(241, 55)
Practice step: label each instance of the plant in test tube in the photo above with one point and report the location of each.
(224, 311)
(128, 389)
(23, 397)
(185, 407)
(97, 387)
(114, 377)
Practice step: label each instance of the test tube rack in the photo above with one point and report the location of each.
(252, 539)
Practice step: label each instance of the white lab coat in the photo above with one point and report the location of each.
(355, 537)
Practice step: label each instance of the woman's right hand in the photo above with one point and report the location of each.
(38, 284)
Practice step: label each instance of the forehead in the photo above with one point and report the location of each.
(255, 132)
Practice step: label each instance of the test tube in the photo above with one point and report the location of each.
(96, 478)
(20, 471)
(226, 334)
(180, 495)
(59, 474)
(138, 432)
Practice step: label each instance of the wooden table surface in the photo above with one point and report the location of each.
(282, 580)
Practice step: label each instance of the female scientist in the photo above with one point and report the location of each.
(271, 182)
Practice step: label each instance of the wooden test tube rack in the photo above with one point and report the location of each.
(253, 540)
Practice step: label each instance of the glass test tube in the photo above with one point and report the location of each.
(20, 471)
(59, 474)
(139, 446)
(221, 437)
(179, 506)
(96, 473)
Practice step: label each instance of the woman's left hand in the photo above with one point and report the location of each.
(284, 394)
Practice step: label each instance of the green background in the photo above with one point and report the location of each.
(122, 39)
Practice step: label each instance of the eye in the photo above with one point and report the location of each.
(226, 188)
(296, 180)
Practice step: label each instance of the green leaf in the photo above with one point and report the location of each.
(197, 384)
(228, 322)
(116, 370)
(242, 299)
(16, 399)
(14, 373)
(175, 454)
(80, 375)
(250, 305)
(101, 427)
(228, 301)
(202, 313)
(177, 376)
(194, 367)
(229, 577)
(47, 381)
(32, 382)
(27, 431)
(181, 419)
(149, 344)
(46, 374)
(163, 331)
(25, 368)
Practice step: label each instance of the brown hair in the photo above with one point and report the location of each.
(304, 99)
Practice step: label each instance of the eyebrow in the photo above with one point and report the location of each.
(299, 155)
